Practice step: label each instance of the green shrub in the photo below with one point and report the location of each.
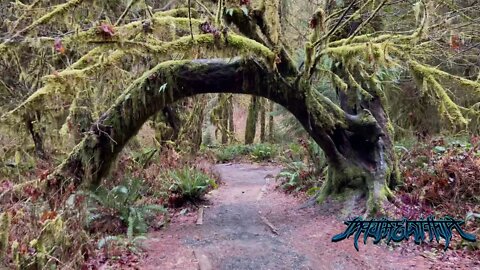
(207, 138)
(297, 176)
(190, 184)
(232, 152)
(122, 202)
(262, 152)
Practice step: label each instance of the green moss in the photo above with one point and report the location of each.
(327, 114)
(448, 109)
(178, 12)
(5, 222)
(272, 20)
(376, 199)
(57, 11)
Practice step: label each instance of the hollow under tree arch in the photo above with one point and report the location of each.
(353, 144)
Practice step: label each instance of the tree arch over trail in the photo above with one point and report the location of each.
(347, 50)
(353, 144)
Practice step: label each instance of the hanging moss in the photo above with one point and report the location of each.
(58, 10)
(365, 94)
(190, 137)
(219, 117)
(272, 19)
(429, 84)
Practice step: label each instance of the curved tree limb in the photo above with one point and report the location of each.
(173, 80)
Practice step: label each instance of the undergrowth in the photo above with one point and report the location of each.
(95, 227)
(255, 152)
(189, 185)
(121, 207)
(441, 177)
(304, 167)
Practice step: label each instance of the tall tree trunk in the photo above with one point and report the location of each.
(231, 125)
(270, 122)
(190, 137)
(224, 117)
(262, 104)
(251, 125)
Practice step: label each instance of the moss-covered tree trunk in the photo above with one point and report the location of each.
(251, 124)
(270, 122)
(355, 145)
(231, 125)
(224, 117)
(370, 164)
(167, 124)
(190, 137)
(262, 120)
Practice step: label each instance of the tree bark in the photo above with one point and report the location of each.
(262, 120)
(270, 122)
(251, 124)
(231, 125)
(353, 144)
(224, 117)
(190, 137)
(166, 124)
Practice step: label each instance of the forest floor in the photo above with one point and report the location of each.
(249, 224)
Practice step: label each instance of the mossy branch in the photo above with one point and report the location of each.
(447, 108)
(429, 70)
(60, 83)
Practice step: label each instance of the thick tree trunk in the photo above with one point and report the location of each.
(251, 124)
(354, 144)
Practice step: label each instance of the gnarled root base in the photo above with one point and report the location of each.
(340, 182)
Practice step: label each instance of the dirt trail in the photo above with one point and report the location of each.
(235, 234)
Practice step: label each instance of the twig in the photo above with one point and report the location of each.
(144, 165)
(375, 12)
(336, 26)
(108, 135)
(125, 12)
(204, 7)
(269, 224)
(166, 7)
(17, 22)
(58, 9)
(203, 261)
(200, 216)
(190, 19)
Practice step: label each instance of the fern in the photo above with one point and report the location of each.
(122, 201)
(190, 184)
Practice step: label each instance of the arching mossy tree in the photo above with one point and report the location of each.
(242, 50)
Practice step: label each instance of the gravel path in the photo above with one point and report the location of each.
(250, 225)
